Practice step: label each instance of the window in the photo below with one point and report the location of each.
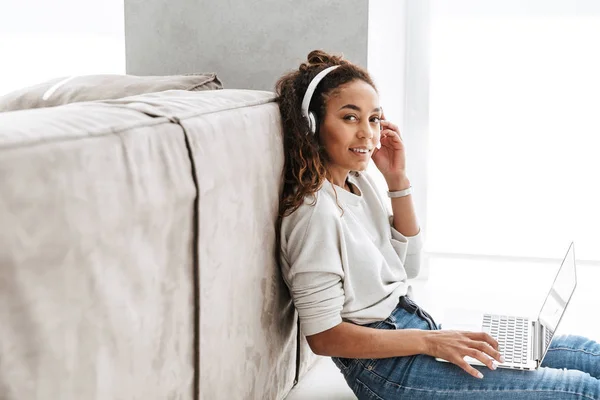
(514, 128)
(41, 40)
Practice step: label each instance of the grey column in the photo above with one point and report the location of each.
(248, 43)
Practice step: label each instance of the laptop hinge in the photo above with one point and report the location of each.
(542, 342)
(536, 341)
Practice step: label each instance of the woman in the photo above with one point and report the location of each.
(346, 261)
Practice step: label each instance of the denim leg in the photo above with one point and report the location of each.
(574, 352)
(406, 315)
(421, 377)
(409, 305)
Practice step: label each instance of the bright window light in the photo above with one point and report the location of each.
(514, 134)
(42, 40)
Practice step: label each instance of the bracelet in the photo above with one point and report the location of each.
(400, 193)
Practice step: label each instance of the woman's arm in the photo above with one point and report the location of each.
(348, 340)
(391, 162)
(405, 219)
(354, 341)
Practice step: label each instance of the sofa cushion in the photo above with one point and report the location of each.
(74, 89)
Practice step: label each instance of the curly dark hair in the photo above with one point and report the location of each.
(304, 169)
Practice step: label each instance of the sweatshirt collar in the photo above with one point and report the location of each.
(342, 194)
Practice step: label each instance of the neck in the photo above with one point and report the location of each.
(338, 177)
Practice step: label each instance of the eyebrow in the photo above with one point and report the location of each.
(357, 108)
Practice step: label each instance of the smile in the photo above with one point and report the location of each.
(361, 151)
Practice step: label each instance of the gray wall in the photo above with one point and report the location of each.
(248, 43)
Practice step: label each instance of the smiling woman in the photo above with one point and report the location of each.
(350, 129)
(346, 261)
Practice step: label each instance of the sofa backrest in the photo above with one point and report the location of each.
(136, 250)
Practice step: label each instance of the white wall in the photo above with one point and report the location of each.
(40, 40)
(398, 60)
(387, 54)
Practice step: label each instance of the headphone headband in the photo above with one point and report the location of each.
(309, 92)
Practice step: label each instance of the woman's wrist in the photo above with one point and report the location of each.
(426, 342)
(417, 340)
(398, 183)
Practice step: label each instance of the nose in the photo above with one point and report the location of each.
(365, 130)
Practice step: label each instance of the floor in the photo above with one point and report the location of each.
(505, 286)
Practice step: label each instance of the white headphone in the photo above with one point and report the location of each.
(309, 115)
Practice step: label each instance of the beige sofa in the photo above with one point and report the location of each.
(137, 251)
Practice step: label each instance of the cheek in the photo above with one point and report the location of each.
(377, 135)
(335, 139)
(330, 145)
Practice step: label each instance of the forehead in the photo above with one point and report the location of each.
(357, 92)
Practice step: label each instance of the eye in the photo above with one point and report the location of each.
(376, 119)
(350, 117)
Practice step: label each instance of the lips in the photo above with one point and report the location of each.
(360, 150)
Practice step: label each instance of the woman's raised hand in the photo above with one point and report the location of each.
(453, 346)
(390, 159)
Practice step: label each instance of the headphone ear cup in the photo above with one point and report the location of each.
(312, 122)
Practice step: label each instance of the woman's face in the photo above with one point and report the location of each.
(350, 129)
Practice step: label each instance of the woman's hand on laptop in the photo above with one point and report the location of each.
(453, 346)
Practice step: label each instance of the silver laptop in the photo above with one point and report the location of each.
(524, 341)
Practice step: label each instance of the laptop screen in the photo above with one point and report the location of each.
(557, 300)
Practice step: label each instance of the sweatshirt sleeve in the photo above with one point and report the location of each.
(316, 272)
(409, 249)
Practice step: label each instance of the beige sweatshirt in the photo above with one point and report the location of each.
(351, 267)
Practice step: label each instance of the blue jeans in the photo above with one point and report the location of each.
(570, 370)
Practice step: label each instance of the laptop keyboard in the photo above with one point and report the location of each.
(511, 333)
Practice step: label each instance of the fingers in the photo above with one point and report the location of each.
(389, 125)
(486, 344)
(483, 337)
(489, 342)
(482, 347)
(469, 369)
(389, 133)
(489, 350)
(482, 357)
(455, 346)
